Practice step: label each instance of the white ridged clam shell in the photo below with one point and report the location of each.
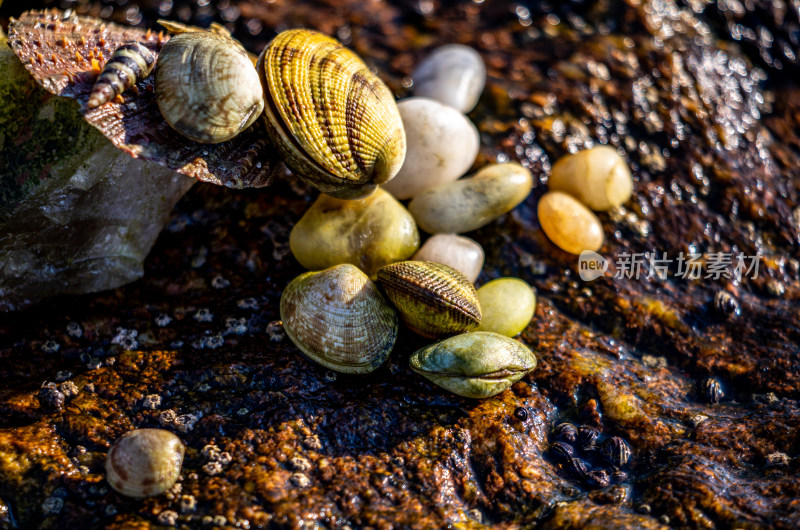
(339, 318)
(207, 87)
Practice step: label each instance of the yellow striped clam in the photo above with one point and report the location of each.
(335, 123)
(433, 299)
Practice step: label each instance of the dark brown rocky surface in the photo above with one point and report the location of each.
(712, 132)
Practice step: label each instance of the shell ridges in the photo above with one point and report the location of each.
(338, 318)
(336, 123)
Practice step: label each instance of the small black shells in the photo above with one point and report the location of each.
(577, 467)
(587, 437)
(561, 451)
(50, 397)
(598, 478)
(616, 451)
(583, 453)
(712, 390)
(726, 304)
(566, 432)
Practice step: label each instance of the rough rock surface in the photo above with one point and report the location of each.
(711, 132)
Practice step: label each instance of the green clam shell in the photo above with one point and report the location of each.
(476, 365)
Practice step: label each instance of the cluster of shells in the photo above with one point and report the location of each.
(339, 129)
(342, 320)
(580, 452)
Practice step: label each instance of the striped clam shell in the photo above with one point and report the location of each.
(144, 462)
(336, 123)
(130, 64)
(339, 319)
(207, 87)
(433, 299)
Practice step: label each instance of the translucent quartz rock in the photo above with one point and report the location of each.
(507, 306)
(461, 253)
(453, 74)
(441, 145)
(77, 215)
(368, 233)
(569, 224)
(470, 203)
(598, 177)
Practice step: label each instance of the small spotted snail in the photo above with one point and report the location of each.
(144, 462)
(334, 122)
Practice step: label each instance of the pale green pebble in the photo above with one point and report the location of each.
(507, 305)
(470, 203)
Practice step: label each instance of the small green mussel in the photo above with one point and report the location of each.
(475, 365)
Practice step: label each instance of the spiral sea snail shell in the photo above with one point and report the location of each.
(130, 63)
(335, 123)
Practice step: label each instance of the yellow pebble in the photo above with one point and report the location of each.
(598, 177)
(507, 306)
(368, 233)
(570, 225)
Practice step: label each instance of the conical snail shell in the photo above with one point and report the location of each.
(144, 462)
(336, 123)
(339, 319)
(206, 86)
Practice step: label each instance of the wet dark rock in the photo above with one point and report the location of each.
(711, 134)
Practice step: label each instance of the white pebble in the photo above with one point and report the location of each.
(442, 145)
(453, 74)
(462, 253)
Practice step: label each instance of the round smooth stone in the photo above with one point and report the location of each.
(569, 224)
(368, 233)
(507, 306)
(453, 74)
(598, 177)
(461, 253)
(471, 203)
(441, 145)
